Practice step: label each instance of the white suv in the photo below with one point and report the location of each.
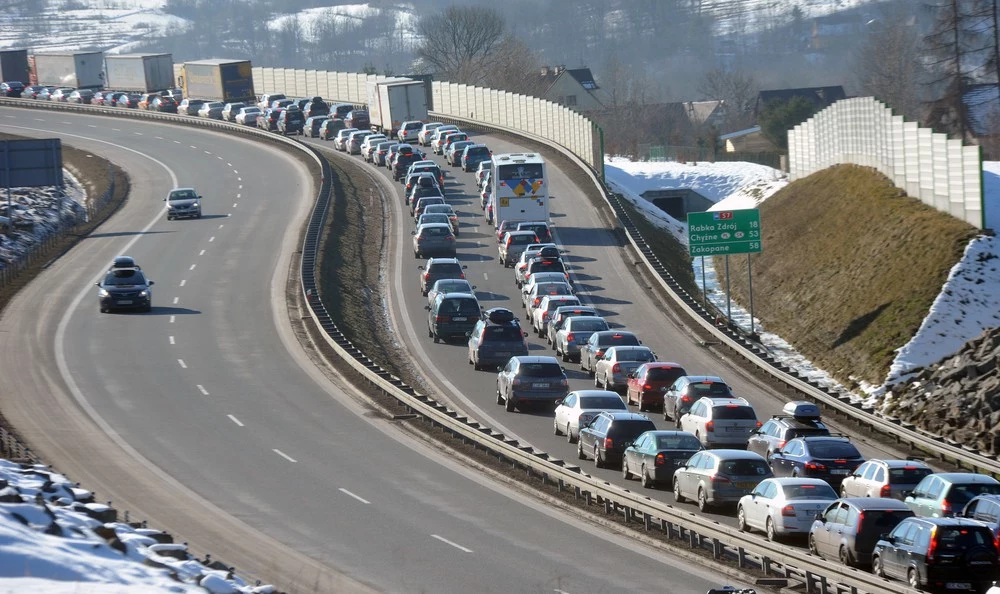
(409, 131)
(721, 422)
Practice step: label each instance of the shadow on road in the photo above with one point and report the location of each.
(172, 311)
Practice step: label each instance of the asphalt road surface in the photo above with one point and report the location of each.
(207, 418)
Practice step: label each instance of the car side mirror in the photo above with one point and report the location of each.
(886, 536)
(525, 334)
(474, 287)
(420, 267)
(465, 267)
(151, 283)
(164, 199)
(99, 284)
(413, 232)
(819, 518)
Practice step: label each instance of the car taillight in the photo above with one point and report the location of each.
(608, 443)
(545, 315)
(719, 478)
(861, 519)
(945, 509)
(599, 353)
(440, 319)
(570, 337)
(616, 368)
(427, 275)
(885, 491)
(537, 301)
(660, 459)
(564, 382)
(685, 399)
(815, 466)
(788, 511)
(932, 547)
(647, 387)
(516, 382)
(710, 426)
(461, 275)
(758, 424)
(781, 444)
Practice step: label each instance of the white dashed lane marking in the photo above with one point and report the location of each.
(183, 282)
(177, 142)
(158, 137)
(486, 276)
(211, 239)
(201, 253)
(91, 126)
(192, 146)
(284, 455)
(182, 363)
(207, 153)
(235, 204)
(173, 318)
(235, 420)
(222, 225)
(172, 340)
(67, 123)
(192, 267)
(137, 133)
(349, 494)
(202, 389)
(176, 299)
(229, 164)
(454, 544)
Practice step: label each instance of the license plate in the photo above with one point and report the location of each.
(504, 354)
(734, 429)
(543, 385)
(746, 485)
(839, 471)
(958, 586)
(124, 302)
(459, 319)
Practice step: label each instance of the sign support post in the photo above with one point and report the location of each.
(753, 329)
(729, 299)
(704, 291)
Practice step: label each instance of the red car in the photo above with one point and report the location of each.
(646, 386)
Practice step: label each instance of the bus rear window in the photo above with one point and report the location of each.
(519, 171)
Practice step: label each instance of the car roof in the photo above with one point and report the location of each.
(456, 295)
(729, 454)
(434, 225)
(952, 521)
(900, 463)
(704, 378)
(624, 415)
(875, 503)
(603, 333)
(593, 392)
(442, 260)
(965, 477)
(723, 401)
(815, 438)
(631, 347)
(182, 189)
(535, 359)
(521, 232)
(662, 364)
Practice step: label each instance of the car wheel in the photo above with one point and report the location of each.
(579, 451)
(772, 534)
(677, 422)
(499, 396)
(845, 557)
(430, 333)
(565, 357)
(555, 428)
(625, 473)
(877, 568)
(741, 519)
(569, 435)
(597, 457)
(677, 492)
(812, 545)
(102, 310)
(666, 417)
(591, 372)
(508, 404)
(913, 578)
(647, 482)
(597, 384)
(702, 500)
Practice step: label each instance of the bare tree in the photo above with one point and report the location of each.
(888, 66)
(461, 43)
(513, 69)
(952, 43)
(738, 92)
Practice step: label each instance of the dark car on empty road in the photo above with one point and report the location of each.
(124, 288)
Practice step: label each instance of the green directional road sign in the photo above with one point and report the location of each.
(721, 232)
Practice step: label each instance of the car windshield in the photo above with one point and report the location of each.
(539, 370)
(595, 325)
(744, 467)
(459, 306)
(677, 442)
(553, 288)
(823, 491)
(733, 412)
(426, 219)
(446, 268)
(907, 475)
(619, 339)
(183, 195)
(503, 333)
(635, 355)
(628, 430)
(435, 231)
(124, 276)
(960, 494)
(664, 374)
(833, 449)
(477, 150)
(713, 389)
(603, 402)
(453, 286)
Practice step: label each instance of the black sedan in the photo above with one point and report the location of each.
(655, 456)
(11, 88)
(125, 288)
(825, 457)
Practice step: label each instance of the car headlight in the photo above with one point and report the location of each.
(144, 293)
(103, 293)
(171, 206)
(196, 205)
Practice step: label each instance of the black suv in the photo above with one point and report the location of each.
(291, 121)
(124, 288)
(801, 419)
(609, 433)
(939, 554)
(495, 339)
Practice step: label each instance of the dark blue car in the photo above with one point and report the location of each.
(825, 457)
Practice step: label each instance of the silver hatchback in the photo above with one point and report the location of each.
(719, 477)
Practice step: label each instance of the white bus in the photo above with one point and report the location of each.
(519, 188)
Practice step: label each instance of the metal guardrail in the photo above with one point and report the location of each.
(701, 533)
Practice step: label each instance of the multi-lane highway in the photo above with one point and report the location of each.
(207, 418)
(601, 271)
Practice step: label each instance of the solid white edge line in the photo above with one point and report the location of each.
(454, 544)
(349, 494)
(284, 455)
(235, 420)
(182, 363)
(202, 389)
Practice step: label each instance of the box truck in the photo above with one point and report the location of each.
(393, 101)
(218, 80)
(141, 73)
(14, 66)
(80, 70)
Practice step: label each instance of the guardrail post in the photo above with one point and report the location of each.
(717, 548)
(607, 506)
(647, 521)
(693, 539)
